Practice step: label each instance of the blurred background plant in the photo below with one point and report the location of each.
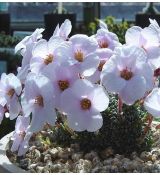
(8, 40)
(119, 28)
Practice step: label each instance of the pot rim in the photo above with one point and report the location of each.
(5, 164)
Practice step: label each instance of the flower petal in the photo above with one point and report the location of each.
(134, 90)
(133, 36)
(96, 123)
(152, 102)
(89, 65)
(100, 99)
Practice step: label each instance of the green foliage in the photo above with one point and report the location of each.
(13, 61)
(123, 132)
(8, 41)
(118, 28)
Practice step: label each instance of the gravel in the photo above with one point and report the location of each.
(71, 159)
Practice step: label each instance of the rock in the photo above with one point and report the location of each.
(47, 157)
(146, 156)
(54, 153)
(83, 166)
(32, 166)
(32, 171)
(76, 156)
(114, 169)
(116, 162)
(91, 155)
(37, 155)
(75, 147)
(96, 161)
(39, 169)
(56, 168)
(32, 148)
(24, 163)
(107, 153)
(96, 169)
(108, 161)
(64, 154)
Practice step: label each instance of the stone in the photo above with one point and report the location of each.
(75, 147)
(54, 153)
(39, 169)
(32, 166)
(24, 163)
(83, 166)
(47, 157)
(55, 168)
(107, 153)
(91, 155)
(96, 169)
(76, 156)
(64, 154)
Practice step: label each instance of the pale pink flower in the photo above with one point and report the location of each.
(45, 54)
(147, 39)
(62, 78)
(21, 136)
(25, 47)
(107, 39)
(38, 99)
(64, 30)
(80, 50)
(128, 74)
(10, 89)
(83, 103)
(104, 55)
(152, 102)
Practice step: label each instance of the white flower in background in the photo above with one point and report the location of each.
(25, 48)
(10, 89)
(147, 39)
(128, 74)
(64, 30)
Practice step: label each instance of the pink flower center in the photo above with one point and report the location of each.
(126, 74)
(63, 84)
(85, 104)
(103, 44)
(39, 101)
(101, 64)
(10, 93)
(22, 134)
(79, 56)
(49, 58)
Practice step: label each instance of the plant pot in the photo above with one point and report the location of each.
(142, 19)
(51, 21)
(6, 166)
(5, 22)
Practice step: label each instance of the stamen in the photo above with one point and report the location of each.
(48, 59)
(39, 101)
(101, 64)
(126, 74)
(11, 93)
(22, 134)
(85, 104)
(63, 84)
(103, 44)
(79, 56)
